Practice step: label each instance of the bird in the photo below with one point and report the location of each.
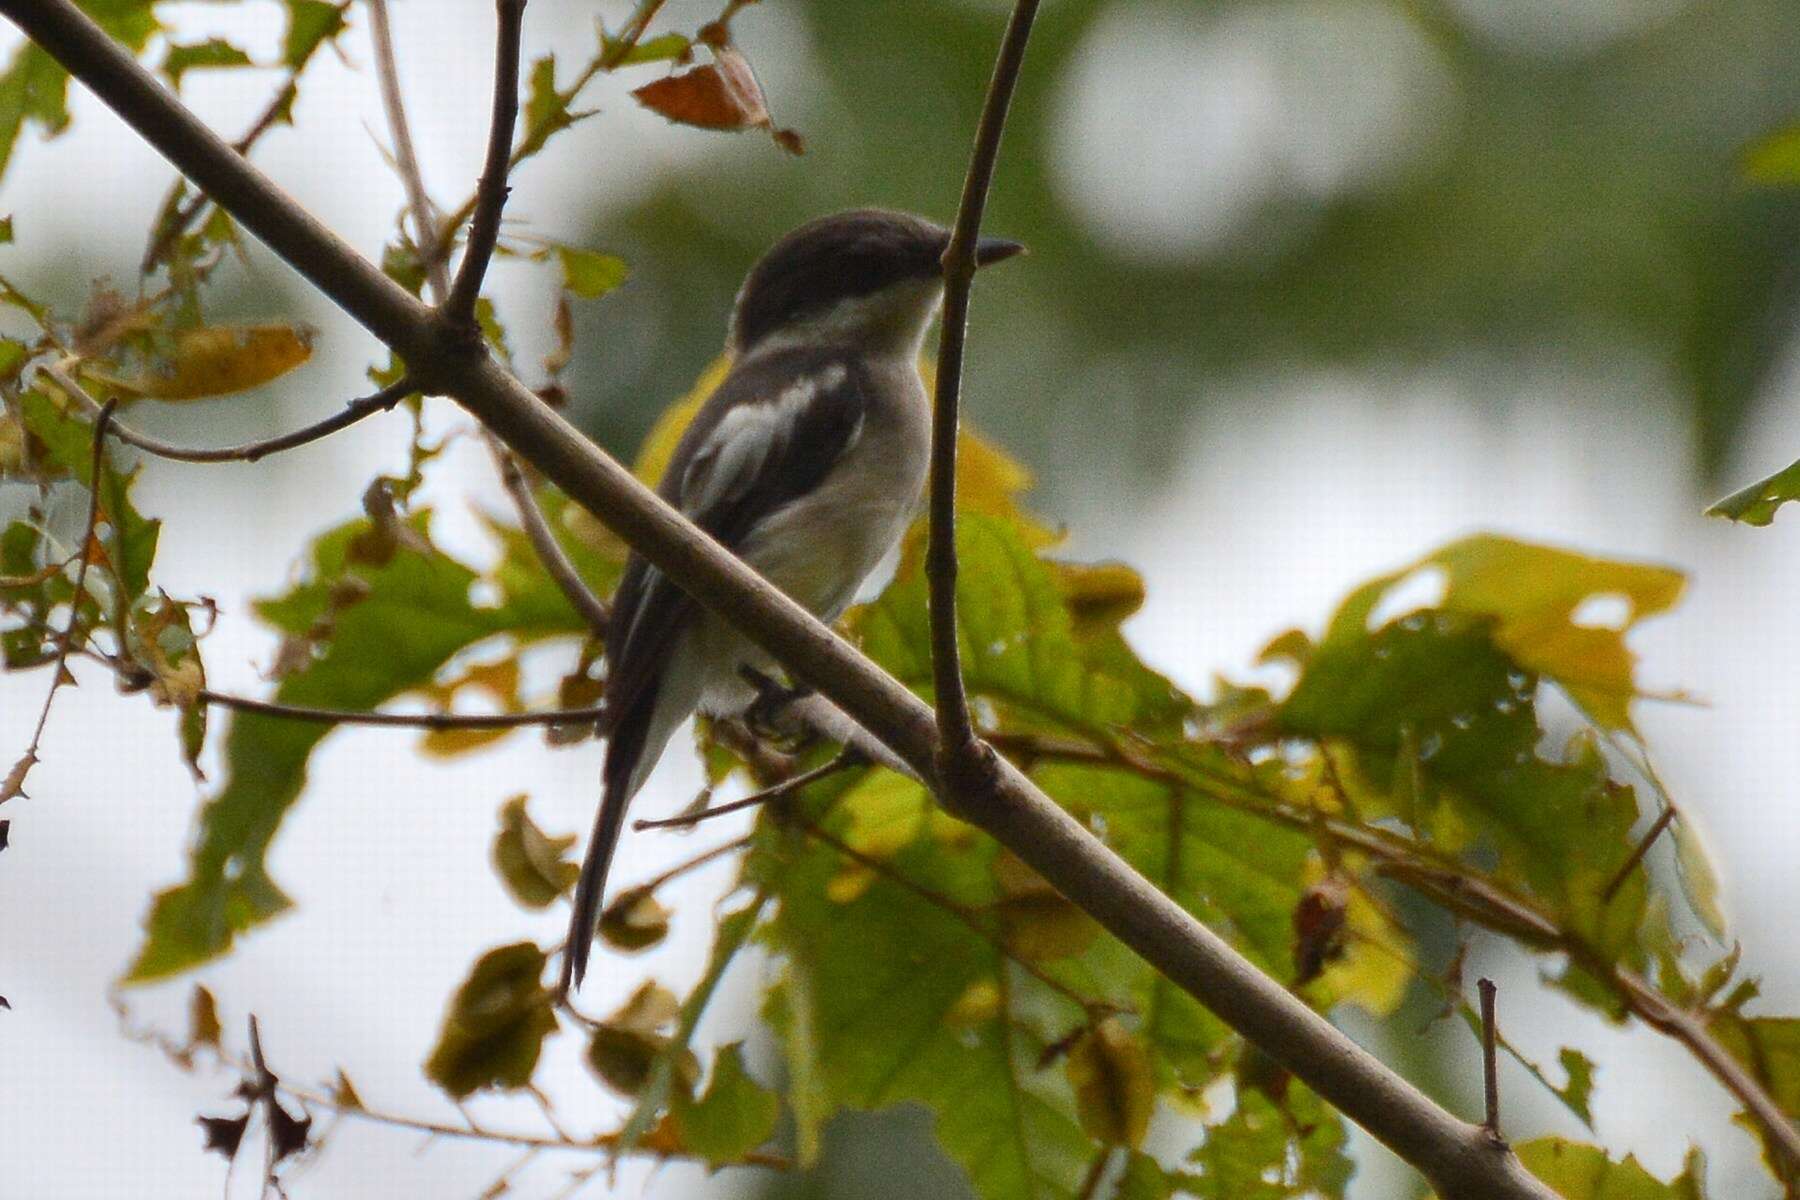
(808, 461)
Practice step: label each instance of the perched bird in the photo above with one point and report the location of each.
(808, 462)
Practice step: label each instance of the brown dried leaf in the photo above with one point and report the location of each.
(722, 94)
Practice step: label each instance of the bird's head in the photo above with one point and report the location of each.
(866, 278)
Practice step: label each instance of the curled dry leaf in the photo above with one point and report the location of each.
(217, 360)
(722, 94)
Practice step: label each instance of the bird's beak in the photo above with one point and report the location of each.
(989, 251)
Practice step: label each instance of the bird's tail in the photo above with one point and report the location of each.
(620, 777)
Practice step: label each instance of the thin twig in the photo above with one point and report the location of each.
(364, 406)
(958, 750)
(1637, 854)
(15, 779)
(406, 160)
(543, 540)
(433, 721)
(490, 193)
(1490, 1062)
(846, 759)
(686, 865)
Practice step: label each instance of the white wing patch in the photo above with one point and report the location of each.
(737, 452)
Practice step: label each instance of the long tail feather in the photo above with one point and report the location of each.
(624, 750)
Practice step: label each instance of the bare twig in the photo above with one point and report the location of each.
(845, 760)
(1637, 854)
(959, 752)
(365, 406)
(490, 193)
(15, 779)
(433, 721)
(1490, 1062)
(1454, 1155)
(406, 159)
(549, 551)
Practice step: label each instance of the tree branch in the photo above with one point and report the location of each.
(490, 193)
(431, 721)
(959, 752)
(549, 551)
(350, 414)
(406, 159)
(1454, 1155)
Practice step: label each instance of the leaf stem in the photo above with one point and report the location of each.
(846, 759)
(432, 721)
(543, 541)
(406, 159)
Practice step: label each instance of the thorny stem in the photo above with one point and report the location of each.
(959, 753)
(14, 782)
(845, 760)
(350, 414)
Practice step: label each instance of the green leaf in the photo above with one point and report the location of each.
(131, 545)
(530, 862)
(735, 1116)
(1774, 159)
(1270, 1151)
(214, 52)
(390, 628)
(1020, 645)
(734, 932)
(590, 274)
(666, 47)
(1579, 1172)
(1432, 694)
(866, 1012)
(34, 88)
(1769, 1048)
(1756, 504)
(311, 23)
(495, 1027)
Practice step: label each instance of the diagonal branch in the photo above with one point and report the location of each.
(549, 551)
(350, 414)
(1454, 1155)
(490, 193)
(959, 752)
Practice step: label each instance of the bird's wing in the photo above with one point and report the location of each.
(768, 436)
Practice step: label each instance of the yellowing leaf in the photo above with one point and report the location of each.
(216, 360)
(1775, 159)
(530, 862)
(634, 921)
(887, 812)
(1115, 1091)
(1578, 1172)
(1756, 504)
(590, 274)
(1557, 613)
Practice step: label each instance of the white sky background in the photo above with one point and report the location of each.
(1306, 485)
